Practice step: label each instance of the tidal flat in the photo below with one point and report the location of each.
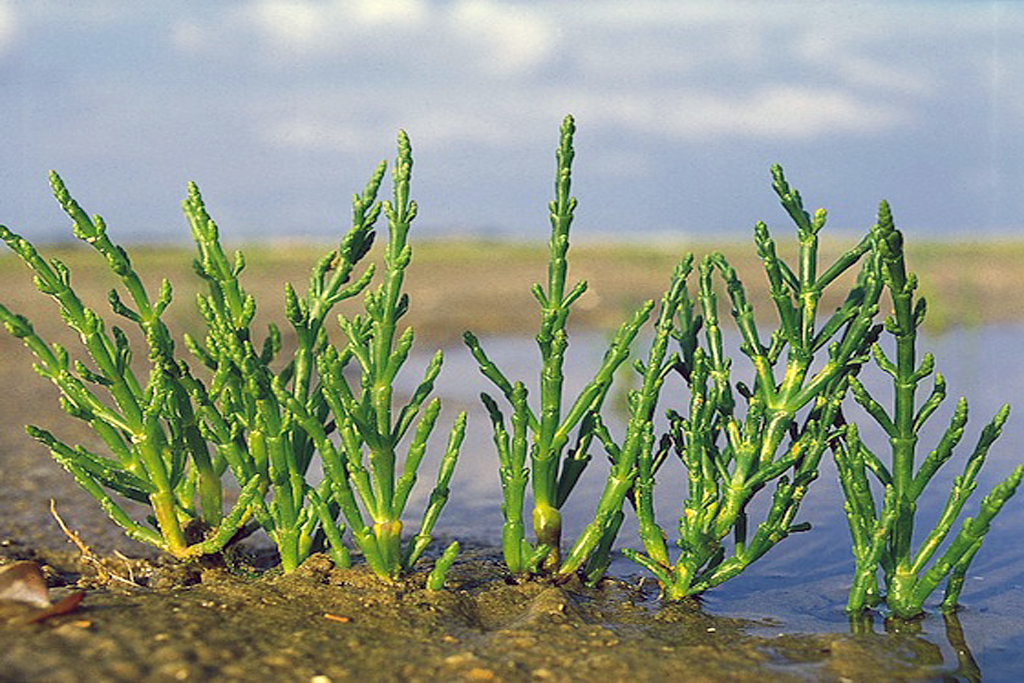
(147, 619)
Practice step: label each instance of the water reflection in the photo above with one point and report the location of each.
(966, 668)
(967, 665)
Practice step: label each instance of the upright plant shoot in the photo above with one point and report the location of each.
(364, 466)
(253, 432)
(732, 447)
(157, 455)
(548, 446)
(883, 533)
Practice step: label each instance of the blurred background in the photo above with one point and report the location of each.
(280, 109)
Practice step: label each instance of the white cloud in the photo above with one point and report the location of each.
(188, 36)
(498, 73)
(793, 112)
(786, 112)
(506, 40)
(381, 12)
(8, 27)
(294, 23)
(850, 61)
(479, 57)
(780, 112)
(477, 36)
(431, 127)
(647, 79)
(284, 30)
(661, 13)
(303, 26)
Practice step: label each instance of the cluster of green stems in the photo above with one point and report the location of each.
(735, 440)
(173, 438)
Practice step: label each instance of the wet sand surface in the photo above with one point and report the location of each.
(144, 621)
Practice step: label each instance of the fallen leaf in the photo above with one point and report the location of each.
(24, 582)
(63, 606)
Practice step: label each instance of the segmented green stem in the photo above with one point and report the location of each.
(364, 469)
(730, 457)
(555, 467)
(883, 536)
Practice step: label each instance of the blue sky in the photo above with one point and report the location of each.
(281, 109)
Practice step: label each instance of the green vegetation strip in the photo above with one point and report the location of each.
(260, 408)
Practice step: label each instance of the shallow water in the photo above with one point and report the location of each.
(799, 586)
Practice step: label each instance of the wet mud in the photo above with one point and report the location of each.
(146, 620)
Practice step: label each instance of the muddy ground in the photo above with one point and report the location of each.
(147, 619)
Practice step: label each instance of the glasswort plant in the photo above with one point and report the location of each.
(637, 449)
(883, 534)
(728, 455)
(253, 433)
(364, 466)
(556, 457)
(158, 455)
(172, 439)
